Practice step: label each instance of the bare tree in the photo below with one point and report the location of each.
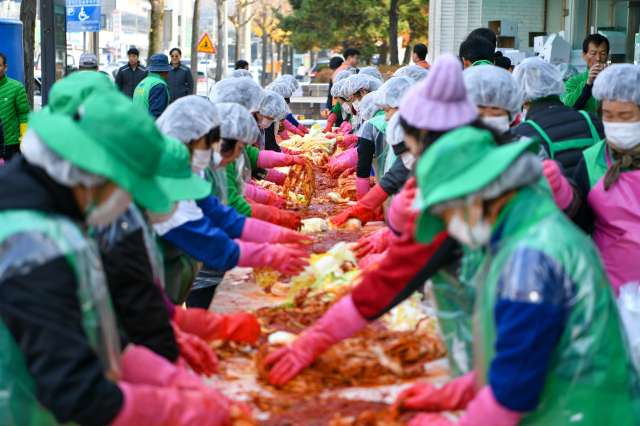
(239, 21)
(155, 30)
(195, 37)
(393, 31)
(28, 10)
(220, 54)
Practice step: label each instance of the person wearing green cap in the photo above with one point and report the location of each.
(61, 361)
(549, 346)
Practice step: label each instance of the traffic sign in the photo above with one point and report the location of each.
(83, 16)
(205, 45)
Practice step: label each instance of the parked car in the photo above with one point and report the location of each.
(316, 69)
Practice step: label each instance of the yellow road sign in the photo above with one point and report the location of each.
(205, 45)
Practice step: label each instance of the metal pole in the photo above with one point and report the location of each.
(206, 74)
(84, 42)
(225, 42)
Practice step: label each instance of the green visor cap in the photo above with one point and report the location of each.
(110, 137)
(460, 163)
(174, 173)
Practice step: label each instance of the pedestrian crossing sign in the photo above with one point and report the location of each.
(205, 45)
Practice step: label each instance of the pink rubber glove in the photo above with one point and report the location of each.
(264, 196)
(371, 259)
(239, 327)
(333, 117)
(347, 160)
(424, 396)
(271, 159)
(1, 161)
(286, 258)
(483, 410)
(331, 135)
(348, 172)
(196, 352)
(258, 231)
(363, 186)
(345, 127)
(160, 406)
(292, 129)
(284, 135)
(276, 177)
(375, 242)
(347, 141)
(400, 213)
(367, 209)
(303, 129)
(562, 191)
(341, 321)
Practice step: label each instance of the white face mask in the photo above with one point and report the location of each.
(200, 160)
(216, 160)
(623, 135)
(501, 123)
(356, 105)
(109, 210)
(346, 110)
(408, 160)
(475, 237)
(162, 217)
(524, 112)
(265, 123)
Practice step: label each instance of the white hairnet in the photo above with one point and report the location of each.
(237, 123)
(395, 132)
(371, 71)
(619, 82)
(240, 73)
(281, 88)
(243, 91)
(337, 89)
(390, 93)
(290, 80)
(568, 71)
(275, 106)
(62, 171)
(342, 75)
(285, 82)
(357, 82)
(368, 108)
(189, 118)
(493, 87)
(413, 72)
(538, 79)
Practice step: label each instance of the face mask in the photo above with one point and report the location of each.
(408, 160)
(623, 135)
(356, 105)
(265, 123)
(162, 217)
(346, 110)
(475, 237)
(524, 112)
(501, 123)
(216, 161)
(200, 160)
(109, 210)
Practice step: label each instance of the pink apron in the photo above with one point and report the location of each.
(617, 225)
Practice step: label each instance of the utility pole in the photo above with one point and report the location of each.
(225, 41)
(247, 34)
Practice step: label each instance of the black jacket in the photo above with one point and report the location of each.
(42, 312)
(395, 178)
(127, 79)
(180, 82)
(560, 123)
(270, 143)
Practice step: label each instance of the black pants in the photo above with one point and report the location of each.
(201, 297)
(10, 151)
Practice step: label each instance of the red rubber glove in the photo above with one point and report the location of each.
(424, 396)
(345, 127)
(291, 220)
(286, 258)
(284, 135)
(239, 327)
(303, 129)
(348, 172)
(562, 190)
(366, 209)
(331, 135)
(267, 213)
(276, 177)
(333, 117)
(292, 129)
(400, 213)
(196, 352)
(258, 231)
(375, 242)
(347, 141)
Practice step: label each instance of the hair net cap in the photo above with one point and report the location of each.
(237, 123)
(368, 108)
(568, 71)
(371, 71)
(275, 106)
(342, 75)
(281, 88)
(413, 72)
(337, 90)
(620, 82)
(493, 87)
(240, 73)
(289, 79)
(243, 91)
(357, 82)
(395, 132)
(538, 79)
(189, 118)
(390, 93)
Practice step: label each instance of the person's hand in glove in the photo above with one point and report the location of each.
(271, 159)
(375, 242)
(366, 209)
(331, 135)
(284, 135)
(239, 327)
(345, 128)
(196, 352)
(348, 172)
(264, 196)
(303, 129)
(276, 177)
(346, 160)
(453, 396)
(562, 190)
(288, 219)
(333, 117)
(347, 141)
(341, 321)
(400, 212)
(258, 231)
(286, 258)
(291, 220)
(292, 129)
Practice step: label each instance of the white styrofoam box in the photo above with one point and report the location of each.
(556, 50)
(504, 28)
(562, 35)
(530, 54)
(576, 59)
(516, 56)
(617, 41)
(298, 92)
(538, 43)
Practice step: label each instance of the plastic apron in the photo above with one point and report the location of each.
(219, 183)
(616, 214)
(381, 145)
(570, 144)
(28, 240)
(590, 378)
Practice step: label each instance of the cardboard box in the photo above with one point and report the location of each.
(504, 28)
(538, 43)
(556, 50)
(530, 54)
(512, 43)
(516, 56)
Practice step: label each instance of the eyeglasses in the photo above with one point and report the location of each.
(175, 56)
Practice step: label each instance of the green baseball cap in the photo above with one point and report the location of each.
(109, 136)
(174, 173)
(67, 94)
(461, 162)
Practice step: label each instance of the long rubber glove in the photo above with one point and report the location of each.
(258, 231)
(264, 196)
(363, 186)
(452, 396)
(341, 321)
(271, 159)
(292, 129)
(371, 259)
(288, 219)
(345, 128)
(347, 160)
(367, 209)
(348, 172)
(376, 242)
(483, 410)
(239, 327)
(196, 352)
(347, 141)
(562, 191)
(276, 177)
(286, 258)
(303, 128)
(333, 117)
(400, 213)
(284, 135)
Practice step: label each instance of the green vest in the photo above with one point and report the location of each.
(30, 239)
(141, 94)
(590, 379)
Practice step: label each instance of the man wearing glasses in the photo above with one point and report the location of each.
(180, 80)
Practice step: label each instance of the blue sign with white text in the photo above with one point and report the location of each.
(83, 16)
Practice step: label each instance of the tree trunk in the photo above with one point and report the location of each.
(407, 54)
(28, 12)
(195, 38)
(393, 32)
(155, 31)
(383, 53)
(265, 40)
(291, 53)
(412, 36)
(273, 64)
(280, 56)
(220, 51)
